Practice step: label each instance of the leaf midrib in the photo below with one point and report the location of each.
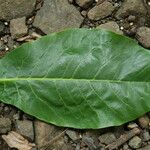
(67, 79)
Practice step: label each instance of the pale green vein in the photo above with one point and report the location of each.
(68, 79)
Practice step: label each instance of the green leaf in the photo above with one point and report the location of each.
(78, 78)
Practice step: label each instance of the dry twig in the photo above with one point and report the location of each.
(123, 138)
(29, 38)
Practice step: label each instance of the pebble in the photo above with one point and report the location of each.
(146, 136)
(89, 142)
(131, 7)
(143, 36)
(135, 142)
(147, 147)
(84, 3)
(112, 26)
(5, 125)
(58, 15)
(101, 11)
(18, 27)
(84, 13)
(6, 23)
(107, 138)
(131, 18)
(125, 146)
(70, 1)
(73, 135)
(25, 128)
(6, 49)
(16, 116)
(10, 43)
(121, 28)
(16, 9)
(132, 125)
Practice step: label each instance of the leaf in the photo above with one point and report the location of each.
(78, 78)
(15, 140)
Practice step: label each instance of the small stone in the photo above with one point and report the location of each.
(132, 125)
(5, 125)
(125, 147)
(101, 11)
(89, 142)
(84, 13)
(18, 27)
(143, 36)
(6, 49)
(6, 23)
(15, 9)
(147, 147)
(146, 136)
(84, 3)
(107, 138)
(121, 28)
(70, 1)
(58, 15)
(73, 135)
(135, 142)
(10, 43)
(131, 7)
(131, 18)
(16, 116)
(25, 128)
(131, 23)
(112, 26)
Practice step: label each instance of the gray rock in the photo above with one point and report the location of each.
(89, 142)
(25, 128)
(101, 11)
(135, 142)
(130, 7)
(143, 36)
(147, 147)
(72, 134)
(15, 9)
(10, 44)
(146, 136)
(5, 125)
(84, 3)
(107, 138)
(56, 15)
(18, 27)
(112, 26)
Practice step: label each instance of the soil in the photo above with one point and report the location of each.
(29, 20)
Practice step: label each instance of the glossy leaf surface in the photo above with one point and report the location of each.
(78, 78)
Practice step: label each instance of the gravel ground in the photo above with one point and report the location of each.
(23, 21)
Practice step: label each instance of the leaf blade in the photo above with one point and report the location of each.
(78, 78)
